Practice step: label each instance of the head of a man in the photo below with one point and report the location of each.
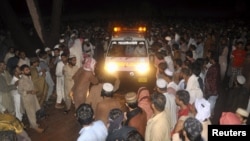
(64, 57)
(2, 66)
(22, 54)
(182, 97)
(115, 119)
(25, 69)
(131, 100)
(193, 128)
(85, 114)
(16, 71)
(158, 101)
(72, 60)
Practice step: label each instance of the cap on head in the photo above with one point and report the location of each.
(61, 41)
(37, 51)
(161, 83)
(168, 72)
(107, 89)
(34, 59)
(71, 56)
(56, 46)
(131, 97)
(242, 112)
(47, 49)
(241, 79)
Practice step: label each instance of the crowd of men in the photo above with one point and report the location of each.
(196, 62)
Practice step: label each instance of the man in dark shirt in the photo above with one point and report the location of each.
(12, 61)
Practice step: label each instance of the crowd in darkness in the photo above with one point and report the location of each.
(197, 61)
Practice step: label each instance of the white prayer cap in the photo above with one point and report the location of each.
(61, 40)
(86, 40)
(202, 107)
(56, 46)
(168, 72)
(242, 112)
(72, 56)
(108, 87)
(37, 50)
(130, 97)
(168, 38)
(72, 35)
(161, 83)
(241, 79)
(107, 38)
(47, 49)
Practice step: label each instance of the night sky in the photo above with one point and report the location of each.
(80, 6)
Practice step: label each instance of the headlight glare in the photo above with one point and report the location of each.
(142, 68)
(111, 67)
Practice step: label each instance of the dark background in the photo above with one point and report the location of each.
(211, 8)
(109, 12)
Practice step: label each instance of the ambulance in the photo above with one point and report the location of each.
(128, 54)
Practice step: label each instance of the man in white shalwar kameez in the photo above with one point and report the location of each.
(60, 81)
(68, 72)
(16, 96)
(193, 88)
(6, 101)
(76, 49)
(170, 106)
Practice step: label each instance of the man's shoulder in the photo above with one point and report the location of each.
(98, 123)
(120, 134)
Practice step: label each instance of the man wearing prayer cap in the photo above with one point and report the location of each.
(172, 87)
(161, 84)
(243, 115)
(38, 51)
(105, 88)
(49, 54)
(107, 103)
(69, 71)
(135, 117)
(169, 92)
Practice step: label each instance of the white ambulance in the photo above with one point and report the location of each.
(128, 54)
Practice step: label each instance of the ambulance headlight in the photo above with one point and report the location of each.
(142, 68)
(111, 67)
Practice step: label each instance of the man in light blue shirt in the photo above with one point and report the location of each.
(91, 130)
